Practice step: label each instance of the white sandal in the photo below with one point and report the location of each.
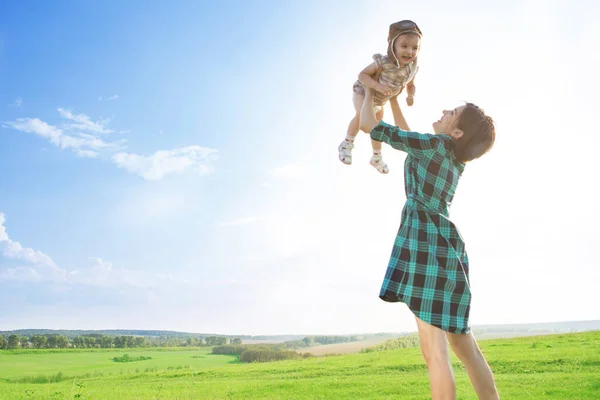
(345, 152)
(379, 165)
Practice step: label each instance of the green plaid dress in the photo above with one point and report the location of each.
(428, 269)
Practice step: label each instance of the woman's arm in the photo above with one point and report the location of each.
(397, 113)
(416, 144)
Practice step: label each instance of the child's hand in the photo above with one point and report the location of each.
(385, 90)
(410, 100)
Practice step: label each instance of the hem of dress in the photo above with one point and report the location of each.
(392, 299)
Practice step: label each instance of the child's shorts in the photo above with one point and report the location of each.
(358, 88)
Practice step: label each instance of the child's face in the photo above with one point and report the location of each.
(406, 48)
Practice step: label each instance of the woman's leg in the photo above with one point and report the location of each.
(466, 349)
(345, 148)
(434, 346)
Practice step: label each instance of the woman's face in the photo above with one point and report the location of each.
(447, 123)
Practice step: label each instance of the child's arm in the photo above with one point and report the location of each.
(410, 90)
(367, 75)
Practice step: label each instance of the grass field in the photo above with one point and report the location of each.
(547, 367)
(22, 365)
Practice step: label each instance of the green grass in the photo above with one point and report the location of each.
(546, 367)
(18, 364)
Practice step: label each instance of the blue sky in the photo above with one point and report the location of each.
(174, 166)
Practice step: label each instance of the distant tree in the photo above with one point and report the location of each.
(106, 342)
(140, 341)
(2, 342)
(210, 340)
(192, 341)
(24, 341)
(236, 340)
(39, 341)
(221, 340)
(62, 342)
(52, 341)
(124, 341)
(78, 341)
(13, 342)
(309, 341)
(89, 341)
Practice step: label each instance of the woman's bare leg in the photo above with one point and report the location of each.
(466, 349)
(434, 346)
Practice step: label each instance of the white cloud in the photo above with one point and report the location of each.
(83, 122)
(287, 172)
(36, 266)
(87, 153)
(113, 97)
(165, 162)
(87, 144)
(42, 266)
(239, 221)
(83, 144)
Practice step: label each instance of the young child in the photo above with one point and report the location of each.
(387, 76)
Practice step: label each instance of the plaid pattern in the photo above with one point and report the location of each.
(428, 268)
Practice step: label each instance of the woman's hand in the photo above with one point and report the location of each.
(383, 89)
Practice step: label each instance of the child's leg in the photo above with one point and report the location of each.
(353, 127)
(345, 148)
(377, 160)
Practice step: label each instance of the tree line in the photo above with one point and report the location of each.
(97, 340)
(55, 341)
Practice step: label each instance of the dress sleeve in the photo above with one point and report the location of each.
(379, 59)
(418, 145)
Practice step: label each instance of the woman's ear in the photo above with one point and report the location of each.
(456, 133)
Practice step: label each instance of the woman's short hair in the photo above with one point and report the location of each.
(479, 134)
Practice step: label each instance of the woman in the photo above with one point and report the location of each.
(429, 269)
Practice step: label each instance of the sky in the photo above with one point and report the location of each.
(174, 165)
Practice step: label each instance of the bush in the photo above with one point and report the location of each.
(294, 344)
(265, 355)
(126, 358)
(259, 352)
(229, 349)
